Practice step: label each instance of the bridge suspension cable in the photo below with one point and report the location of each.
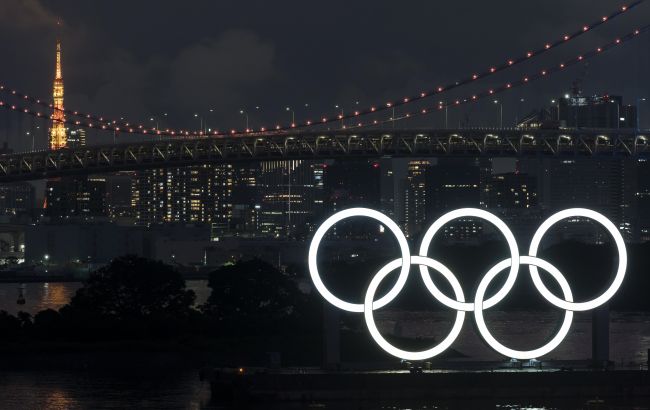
(101, 122)
(424, 111)
(509, 85)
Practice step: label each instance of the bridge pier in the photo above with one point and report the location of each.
(331, 337)
(600, 336)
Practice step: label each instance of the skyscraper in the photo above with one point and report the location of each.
(605, 185)
(457, 183)
(58, 137)
(76, 138)
(197, 194)
(292, 197)
(415, 196)
(76, 197)
(597, 111)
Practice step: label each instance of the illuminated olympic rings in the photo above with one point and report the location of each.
(459, 303)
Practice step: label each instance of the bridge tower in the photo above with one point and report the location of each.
(58, 137)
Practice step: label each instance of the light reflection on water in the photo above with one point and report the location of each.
(629, 333)
(60, 390)
(53, 295)
(629, 343)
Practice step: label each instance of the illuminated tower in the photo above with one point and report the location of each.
(58, 138)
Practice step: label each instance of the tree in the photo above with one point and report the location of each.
(253, 295)
(132, 294)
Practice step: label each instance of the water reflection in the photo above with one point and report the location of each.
(32, 390)
(54, 295)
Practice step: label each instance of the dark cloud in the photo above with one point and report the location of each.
(26, 14)
(142, 58)
(217, 72)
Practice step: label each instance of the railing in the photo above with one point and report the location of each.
(323, 145)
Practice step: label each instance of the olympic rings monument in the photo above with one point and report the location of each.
(478, 303)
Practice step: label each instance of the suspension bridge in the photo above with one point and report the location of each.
(320, 146)
(363, 136)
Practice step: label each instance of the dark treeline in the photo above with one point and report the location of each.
(254, 308)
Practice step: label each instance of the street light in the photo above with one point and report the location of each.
(338, 107)
(618, 113)
(200, 120)
(440, 104)
(638, 112)
(557, 108)
(293, 115)
(244, 113)
(500, 113)
(154, 120)
(521, 100)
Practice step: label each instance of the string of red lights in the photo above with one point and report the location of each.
(425, 111)
(507, 86)
(96, 121)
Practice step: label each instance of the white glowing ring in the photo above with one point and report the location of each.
(459, 302)
(480, 321)
(313, 252)
(370, 321)
(620, 272)
(512, 245)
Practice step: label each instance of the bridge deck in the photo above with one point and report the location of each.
(322, 145)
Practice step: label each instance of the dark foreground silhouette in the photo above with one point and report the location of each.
(255, 311)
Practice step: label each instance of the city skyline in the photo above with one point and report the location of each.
(287, 198)
(600, 77)
(254, 204)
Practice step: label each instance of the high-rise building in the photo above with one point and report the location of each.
(514, 198)
(16, 199)
(291, 197)
(352, 183)
(246, 199)
(415, 196)
(511, 191)
(58, 138)
(76, 197)
(642, 220)
(457, 183)
(119, 196)
(76, 138)
(606, 185)
(196, 194)
(597, 111)
(387, 187)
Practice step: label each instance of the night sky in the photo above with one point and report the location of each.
(139, 59)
